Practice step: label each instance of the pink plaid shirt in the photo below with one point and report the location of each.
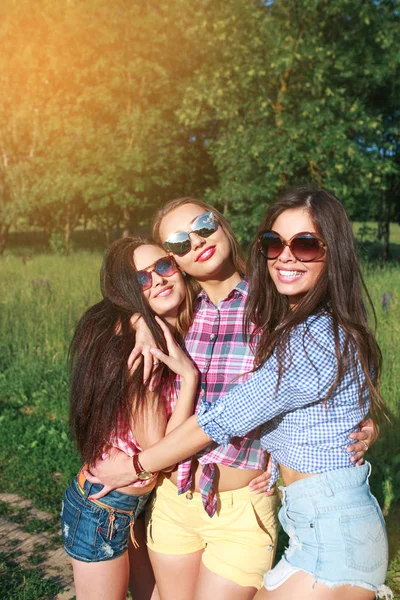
(216, 344)
(123, 438)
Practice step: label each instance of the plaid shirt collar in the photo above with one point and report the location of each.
(242, 289)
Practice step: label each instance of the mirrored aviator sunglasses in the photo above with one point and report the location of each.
(305, 246)
(165, 267)
(203, 226)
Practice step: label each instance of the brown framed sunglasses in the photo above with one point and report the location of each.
(305, 246)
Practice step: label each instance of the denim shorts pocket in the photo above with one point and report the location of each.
(365, 539)
(112, 535)
(69, 522)
(301, 515)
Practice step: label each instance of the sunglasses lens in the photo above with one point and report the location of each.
(306, 248)
(145, 279)
(271, 244)
(166, 267)
(204, 225)
(178, 243)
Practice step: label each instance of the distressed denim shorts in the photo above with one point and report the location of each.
(336, 532)
(92, 533)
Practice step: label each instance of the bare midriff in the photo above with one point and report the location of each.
(289, 476)
(226, 478)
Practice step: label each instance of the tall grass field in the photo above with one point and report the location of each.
(41, 299)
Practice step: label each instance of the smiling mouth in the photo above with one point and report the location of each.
(205, 254)
(285, 275)
(164, 292)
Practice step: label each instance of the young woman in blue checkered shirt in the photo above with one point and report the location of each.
(316, 376)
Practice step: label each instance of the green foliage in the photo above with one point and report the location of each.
(292, 89)
(108, 110)
(87, 108)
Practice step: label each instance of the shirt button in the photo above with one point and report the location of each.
(270, 548)
(213, 336)
(189, 496)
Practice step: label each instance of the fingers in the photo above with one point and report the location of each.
(358, 455)
(90, 477)
(155, 381)
(360, 435)
(259, 484)
(169, 338)
(369, 429)
(164, 327)
(359, 446)
(134, 355)
(160, 355)
(259, 488)
(147, 365)
(106, 490)
(263, 479)
(103, 492)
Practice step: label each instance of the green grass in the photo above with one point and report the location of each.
(18, 583)
(40, 302)
(41, 298)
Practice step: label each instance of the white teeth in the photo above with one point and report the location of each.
(290, 274)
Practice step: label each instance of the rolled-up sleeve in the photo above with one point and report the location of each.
(209, 422)
(309, 371)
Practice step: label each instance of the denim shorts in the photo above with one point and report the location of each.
(336, 532)
(92, 533)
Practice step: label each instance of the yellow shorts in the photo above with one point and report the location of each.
(239, 541)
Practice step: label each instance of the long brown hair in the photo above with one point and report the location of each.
(101, 388)
(340, 290)
(193, 286)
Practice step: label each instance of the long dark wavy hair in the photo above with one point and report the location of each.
(340, 290)
(101, 388)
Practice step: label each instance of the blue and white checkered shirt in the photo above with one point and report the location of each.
(299, 429)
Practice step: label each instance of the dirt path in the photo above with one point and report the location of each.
(52, 560)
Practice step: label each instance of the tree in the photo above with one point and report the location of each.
(96, 88)
(287, 87)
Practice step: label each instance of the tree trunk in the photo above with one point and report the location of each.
(387, 202)
(4, 229)
(386, 238)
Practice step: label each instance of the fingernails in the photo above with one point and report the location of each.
(90, 497)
